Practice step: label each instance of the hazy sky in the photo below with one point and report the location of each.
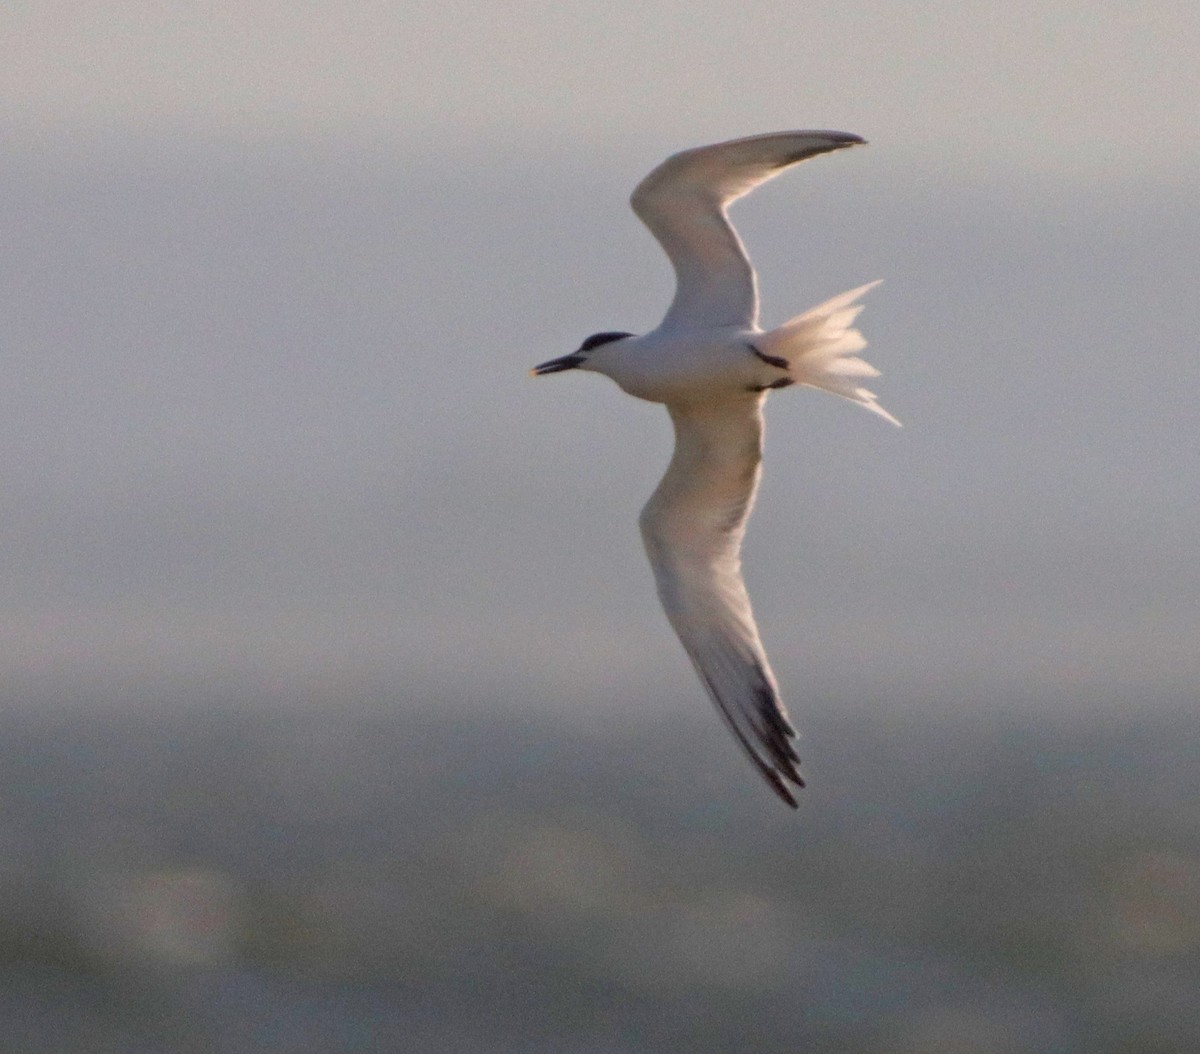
(275, 273)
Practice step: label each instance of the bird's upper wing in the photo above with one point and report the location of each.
(692, 528)
(683, 202)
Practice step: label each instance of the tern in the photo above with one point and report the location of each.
(713, 367)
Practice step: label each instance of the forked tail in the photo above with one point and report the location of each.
(821, 349)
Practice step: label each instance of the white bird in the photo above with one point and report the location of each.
(712, 366)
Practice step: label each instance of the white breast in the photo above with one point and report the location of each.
(684, 368)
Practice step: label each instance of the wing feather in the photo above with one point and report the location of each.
(684, 201)
(692, 528)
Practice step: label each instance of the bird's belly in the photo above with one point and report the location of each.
(704, 373)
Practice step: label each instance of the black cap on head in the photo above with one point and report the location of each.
(596, 339)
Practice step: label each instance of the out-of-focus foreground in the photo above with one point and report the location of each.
(356, 877)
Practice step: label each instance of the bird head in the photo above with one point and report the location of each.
(580, 356)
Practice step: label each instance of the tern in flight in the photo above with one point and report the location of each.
(712, 366)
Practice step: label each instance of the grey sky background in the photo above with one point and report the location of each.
(275, 274)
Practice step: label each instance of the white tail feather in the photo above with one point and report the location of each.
(821, 349)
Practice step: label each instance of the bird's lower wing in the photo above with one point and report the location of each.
(692, 528)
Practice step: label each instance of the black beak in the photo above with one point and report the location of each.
(567, 362)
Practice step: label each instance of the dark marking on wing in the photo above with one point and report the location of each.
(771, 360)
(774, 733)
(841, 140)
(783, 382)
(777, 731)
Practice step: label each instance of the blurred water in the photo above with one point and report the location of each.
(369, 876)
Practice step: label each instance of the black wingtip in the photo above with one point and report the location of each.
(844, 138)
(783, 759)
(781, 788)
(832, 141)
